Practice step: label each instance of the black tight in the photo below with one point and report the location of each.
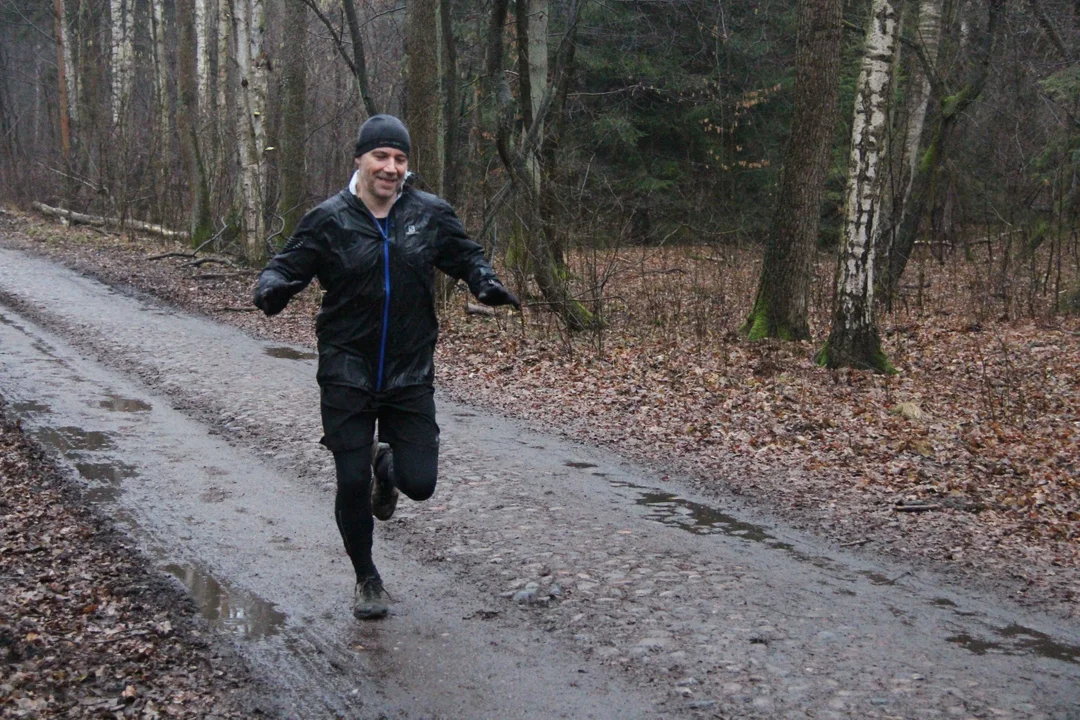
(352, 508)
(412, 468)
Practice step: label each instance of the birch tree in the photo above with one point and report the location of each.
(854, 340)
(249, 18)
(951, 108)
(548, 266)
(161, 79)
(202, 56)
(223, 151)
(123, 55)
(917, 102)
(780, 307)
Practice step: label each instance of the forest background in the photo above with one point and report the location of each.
(663, 181)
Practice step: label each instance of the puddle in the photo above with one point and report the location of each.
(670, 509)
(578, 465)
(464, 415)
(105, 480)
(234, 611)
(68, 439)
(1019, 640)
(700, 519)
(29, 406)
(116, 403)
(288, 353)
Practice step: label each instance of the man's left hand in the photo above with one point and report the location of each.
(495, 294)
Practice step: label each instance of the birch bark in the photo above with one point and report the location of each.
(854, 340)
(930, 39)
(916, 104)
(202, 56)
(545, 255)
(120, 17)
(248, 22)
(161, 79)
(223, 37)
(937, 137)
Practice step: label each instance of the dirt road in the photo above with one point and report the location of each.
(544, 579)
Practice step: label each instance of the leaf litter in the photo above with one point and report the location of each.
(86, 629)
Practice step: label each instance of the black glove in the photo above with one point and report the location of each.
(273, 292)
(494, 294)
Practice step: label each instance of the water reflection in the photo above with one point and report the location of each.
(235, 611)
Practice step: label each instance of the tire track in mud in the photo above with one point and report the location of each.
(553, 569)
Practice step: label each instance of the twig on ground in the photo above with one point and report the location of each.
(917, 508)
(203, 261)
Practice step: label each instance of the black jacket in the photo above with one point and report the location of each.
(377, 327)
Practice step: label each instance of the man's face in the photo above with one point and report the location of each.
(382, 171)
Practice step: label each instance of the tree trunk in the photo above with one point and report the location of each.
(202, 58)
(223, 151)
(161, 80)
(917, 103)
(359, 63)
(121, 13)
(549, 271)
(425, 106)
(223, 25)
(854, 340)
(451, 182)
(200, 224)
(780, 307)
(532, 28)
(63, 68)
(923, 186)
(294, 120)
(249, 18)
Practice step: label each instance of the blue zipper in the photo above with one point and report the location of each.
(385, 232)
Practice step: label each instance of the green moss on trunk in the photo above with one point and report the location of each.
(760, 324)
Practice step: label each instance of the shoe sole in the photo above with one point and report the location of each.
(385, 511)
(372, 614)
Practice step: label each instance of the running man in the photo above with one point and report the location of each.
(374, 247)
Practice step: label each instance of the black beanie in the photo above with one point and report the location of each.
(382, 131)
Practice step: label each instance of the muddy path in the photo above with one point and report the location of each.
(544, 579)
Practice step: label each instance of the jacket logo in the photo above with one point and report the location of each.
(411, 230)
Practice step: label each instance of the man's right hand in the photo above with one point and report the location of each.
(273, 293)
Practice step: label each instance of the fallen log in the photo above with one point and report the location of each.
(97, 220)
(473, 309)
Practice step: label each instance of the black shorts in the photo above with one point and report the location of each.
(406, 417)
